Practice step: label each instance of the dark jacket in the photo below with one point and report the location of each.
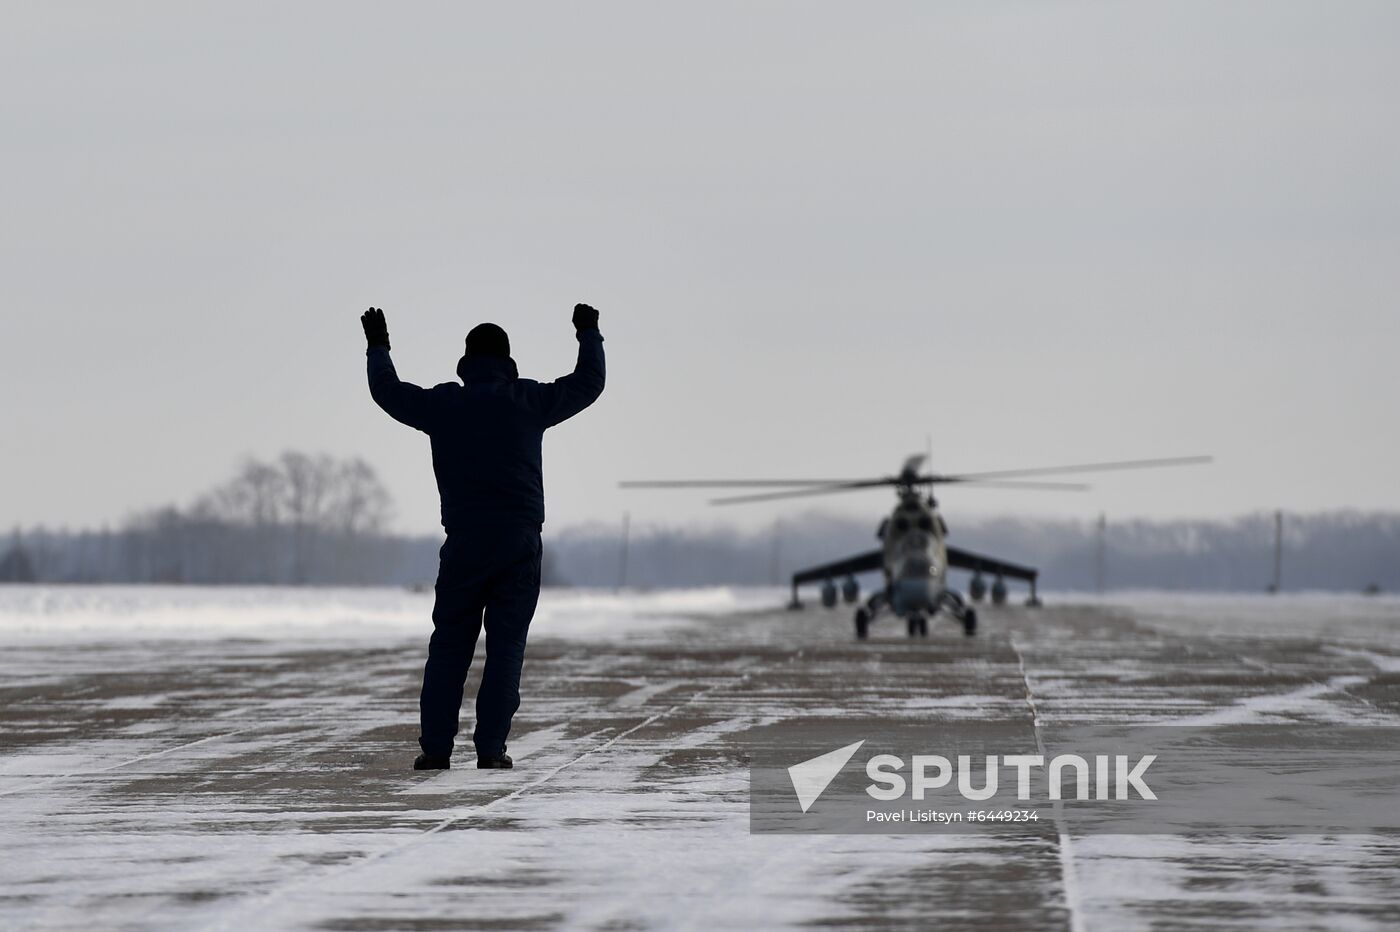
(486, 433)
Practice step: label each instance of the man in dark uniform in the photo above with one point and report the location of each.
(486, 435)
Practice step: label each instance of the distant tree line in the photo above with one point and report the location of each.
(313, 519)
(1339, 550)
(300, 518)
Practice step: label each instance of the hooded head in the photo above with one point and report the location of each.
(488, 340)
(487, 354)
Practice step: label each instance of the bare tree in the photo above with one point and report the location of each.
(356, 516)
(362, 504)
(307, 486)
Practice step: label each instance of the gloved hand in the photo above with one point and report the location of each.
(585, 317)
(376, 330)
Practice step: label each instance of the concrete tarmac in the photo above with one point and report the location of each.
(250, 784)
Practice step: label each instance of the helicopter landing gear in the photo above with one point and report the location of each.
(866, 614)
(961, 611)
(862, 624)
(918, 626)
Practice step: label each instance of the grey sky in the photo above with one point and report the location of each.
(817, 232)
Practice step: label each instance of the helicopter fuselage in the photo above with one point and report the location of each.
(915, 557)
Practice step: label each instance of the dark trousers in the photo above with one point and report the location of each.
(487, 577)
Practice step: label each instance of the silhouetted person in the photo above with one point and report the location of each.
(486, 435)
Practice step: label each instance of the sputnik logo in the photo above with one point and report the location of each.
(811, 777)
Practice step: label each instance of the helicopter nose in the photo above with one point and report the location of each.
(919, 594)
(916, 566)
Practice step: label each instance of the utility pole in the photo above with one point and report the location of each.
(622, 557)
(1099, 553)
(777, 551)
(1277, 584)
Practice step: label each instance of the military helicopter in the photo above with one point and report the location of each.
(914, 556)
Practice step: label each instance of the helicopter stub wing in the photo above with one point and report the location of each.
(860, 563)
(967, 560)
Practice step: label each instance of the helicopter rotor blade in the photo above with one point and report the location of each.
(729, 483)
(1041, 486)
(1062, 470)
(876, 483)
(800, 493)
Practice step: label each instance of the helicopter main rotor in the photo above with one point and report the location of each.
(911, 478)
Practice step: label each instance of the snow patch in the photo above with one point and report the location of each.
(57, 614)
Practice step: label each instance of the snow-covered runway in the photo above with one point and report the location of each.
(247, 767)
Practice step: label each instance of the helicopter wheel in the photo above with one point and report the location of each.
(970, 623)
(915, 623)
(923, 627)
(862, 624)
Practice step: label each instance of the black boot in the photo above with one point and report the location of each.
(430, 762)
(503, 762)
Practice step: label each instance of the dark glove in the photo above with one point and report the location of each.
(376, 330)
(585, 317)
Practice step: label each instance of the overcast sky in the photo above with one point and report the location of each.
(817, 233)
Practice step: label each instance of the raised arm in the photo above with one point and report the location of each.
(403, 401)
(570, 394)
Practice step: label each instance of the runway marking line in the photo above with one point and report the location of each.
(1069, 876)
